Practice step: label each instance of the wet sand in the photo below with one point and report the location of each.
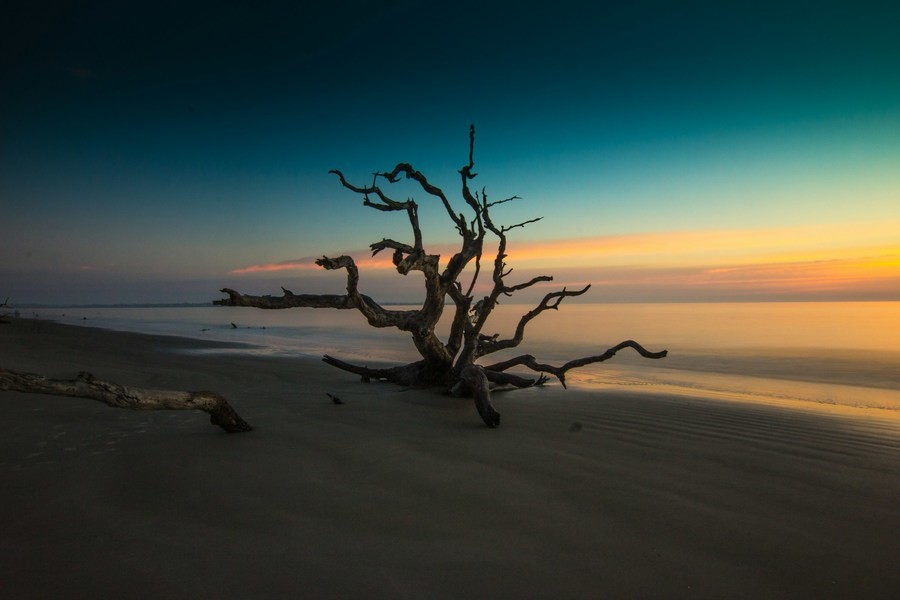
(405, 494)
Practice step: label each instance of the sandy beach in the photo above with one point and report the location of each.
(401, 493)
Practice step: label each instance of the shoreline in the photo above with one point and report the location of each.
(624, 373)
(404, 493)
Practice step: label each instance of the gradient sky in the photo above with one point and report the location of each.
(157, 151)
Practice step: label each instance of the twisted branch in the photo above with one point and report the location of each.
(551, 301)
(527, 360)
(376, 315)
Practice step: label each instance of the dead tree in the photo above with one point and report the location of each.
(451, 363)
(119, 396)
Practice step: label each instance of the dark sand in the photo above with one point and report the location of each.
(405, 494)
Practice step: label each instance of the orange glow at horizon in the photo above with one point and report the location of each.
(848, 257)
(851, 258)
(873, 276)
(696, 248)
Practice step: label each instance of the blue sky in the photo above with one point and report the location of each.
(152, 152)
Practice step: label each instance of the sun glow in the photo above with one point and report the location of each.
(738, 246)
(856, 259)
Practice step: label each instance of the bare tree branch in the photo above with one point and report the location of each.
(527, 360)
(506, 228)
(410, 173)
(502, 378)
(550, 302)
(387, 205)
(521, 286)
(288, 300)
(496, 202)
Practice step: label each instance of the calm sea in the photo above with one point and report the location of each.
(845, 353)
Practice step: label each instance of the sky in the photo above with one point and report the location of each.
(154, 152)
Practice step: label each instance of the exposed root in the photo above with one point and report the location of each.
(476, 380)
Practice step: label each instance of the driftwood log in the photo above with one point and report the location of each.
(119, 396)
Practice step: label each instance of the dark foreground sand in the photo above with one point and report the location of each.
(405, 494)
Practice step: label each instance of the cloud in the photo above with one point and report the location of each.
(309, 264)
(299, 264)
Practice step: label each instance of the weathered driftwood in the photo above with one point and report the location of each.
(451, 362)
(119, 396)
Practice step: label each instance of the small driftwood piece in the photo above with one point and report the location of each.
(4, 316)
(119, 396)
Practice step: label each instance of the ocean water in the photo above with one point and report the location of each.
(839, 353)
